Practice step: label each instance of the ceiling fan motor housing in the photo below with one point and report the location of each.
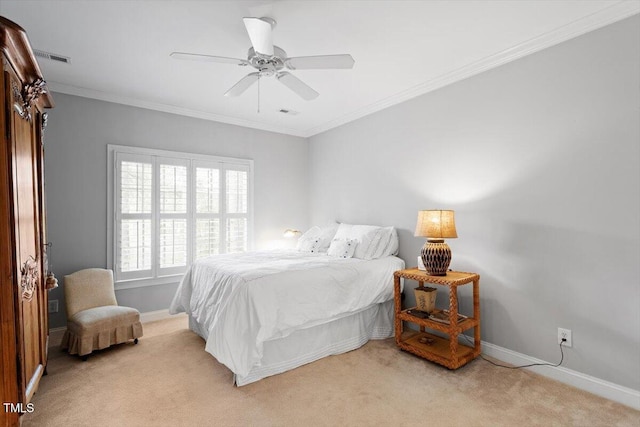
(265, 64)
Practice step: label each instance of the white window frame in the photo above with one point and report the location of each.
(158, 216)
(157, 276)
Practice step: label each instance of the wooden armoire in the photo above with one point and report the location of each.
(23, 298)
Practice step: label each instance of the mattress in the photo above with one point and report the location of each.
(241, 301)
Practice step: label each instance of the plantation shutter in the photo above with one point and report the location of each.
(171, 209)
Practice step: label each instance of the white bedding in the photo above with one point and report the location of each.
(243, 300)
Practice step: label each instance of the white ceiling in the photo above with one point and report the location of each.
(120, 50)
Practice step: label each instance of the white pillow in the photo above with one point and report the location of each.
(384, 244)
(362, 234)
(342, 248)
(379, 239)
(327, 234)
(372, 242)
(317, 239)
(310, 241)
(394, 244)
(310, 245)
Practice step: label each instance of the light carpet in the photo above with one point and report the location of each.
(169, 380)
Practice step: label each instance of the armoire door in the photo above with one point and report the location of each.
(26, 211)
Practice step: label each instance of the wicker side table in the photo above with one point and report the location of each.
(447, 352)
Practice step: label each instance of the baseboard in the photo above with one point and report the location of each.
(606, 389)
(55, 336)
(152, 316)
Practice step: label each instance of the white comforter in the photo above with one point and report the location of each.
(243, 300)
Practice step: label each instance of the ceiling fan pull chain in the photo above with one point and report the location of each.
(258, 95)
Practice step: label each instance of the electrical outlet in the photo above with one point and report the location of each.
(566, 335)
(53, 306)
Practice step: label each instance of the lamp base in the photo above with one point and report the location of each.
(436, 256)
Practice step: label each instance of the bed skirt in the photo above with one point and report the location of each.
(307, 345)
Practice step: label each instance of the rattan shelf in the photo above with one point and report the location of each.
(445, 351)
(462, 326)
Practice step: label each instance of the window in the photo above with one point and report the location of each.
(167, 209)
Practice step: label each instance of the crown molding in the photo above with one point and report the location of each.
(602, 18)
(166, 108)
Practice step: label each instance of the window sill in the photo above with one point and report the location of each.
(142, 283)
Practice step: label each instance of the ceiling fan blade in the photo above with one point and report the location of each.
(297, 85)
(207, 58)
(259, 32)
(243, 84)
(319, 62)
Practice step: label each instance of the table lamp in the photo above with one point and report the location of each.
(436, 225)
(290, 232)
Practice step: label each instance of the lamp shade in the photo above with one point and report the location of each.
(290, 232)
(436, 224)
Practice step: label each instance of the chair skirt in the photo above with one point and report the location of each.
(101, 327)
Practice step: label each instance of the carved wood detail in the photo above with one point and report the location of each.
(29, 281)
(33, 91)
(27, 97)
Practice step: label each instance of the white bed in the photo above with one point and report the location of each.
(266, 312)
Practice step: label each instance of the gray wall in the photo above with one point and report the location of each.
(540, 160)
(76, 180)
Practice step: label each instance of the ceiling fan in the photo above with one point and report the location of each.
(270, 60)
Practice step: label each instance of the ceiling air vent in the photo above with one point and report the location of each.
(289, 112)
(51, 56)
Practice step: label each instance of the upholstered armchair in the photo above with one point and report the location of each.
(94, 319)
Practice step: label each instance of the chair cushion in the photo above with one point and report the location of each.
(102, 318)
(100, 327)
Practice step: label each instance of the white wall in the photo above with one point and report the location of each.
(76, 180)
(540, 160)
